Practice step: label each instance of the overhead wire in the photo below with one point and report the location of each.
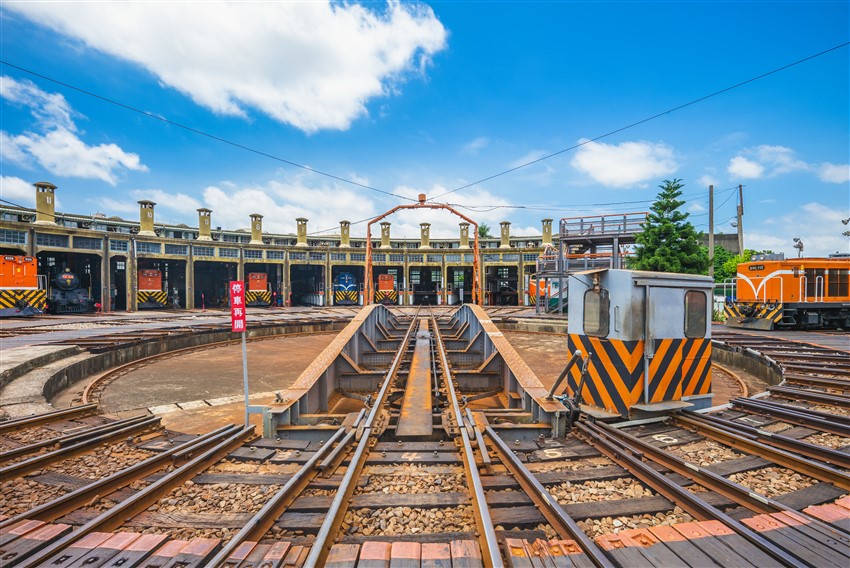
(642, 121)
(203, 133)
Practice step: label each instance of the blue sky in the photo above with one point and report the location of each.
(414, 97)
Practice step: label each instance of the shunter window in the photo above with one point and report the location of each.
(596, 308)
(695, 324)
(838, 281)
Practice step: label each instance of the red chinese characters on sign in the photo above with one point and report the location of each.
(237, 306)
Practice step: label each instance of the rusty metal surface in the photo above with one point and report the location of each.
(526, 378)
(416, 409)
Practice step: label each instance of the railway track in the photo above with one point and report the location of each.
(762, 484)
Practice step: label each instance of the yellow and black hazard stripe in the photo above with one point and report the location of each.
(258, 298)
(152, 299)
(696, 367)
(532, 299)
(386, 296)
(665, 371)
(615, 372)
(345, 297)
(750, 314)
(732, 311)
(615, 382)
(12, 301)
(771, 312)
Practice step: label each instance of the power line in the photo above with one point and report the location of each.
(203, 133)
(639, 122)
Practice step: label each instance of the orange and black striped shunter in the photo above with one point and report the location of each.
(257, 293)
(151, 295)
(20, 291)
(650, 336)
(386, 292)
(800, 293)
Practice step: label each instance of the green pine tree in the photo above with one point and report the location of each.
(669, 243)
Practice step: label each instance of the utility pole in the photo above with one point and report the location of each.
(711, 231)
(740, 219)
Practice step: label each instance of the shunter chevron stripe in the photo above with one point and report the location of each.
(680, 367)
(153, 296)
(16, 298)
(384, 295)
(258, 297)
(665, 371)
(696, 367)
(615, 372)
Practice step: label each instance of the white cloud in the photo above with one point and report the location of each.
(780, 159)
(313, 65)
(626, 164)
(58, 150)
(771, 161)
(61, 153)
(741, 167)
(529, 157)
(817, 225)
(707, 180)
(175, 201)
(17, 191)
(50, 110)
(282, 202)
(834, 173)
(472, 147)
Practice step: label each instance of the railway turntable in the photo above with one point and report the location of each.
(420, 438)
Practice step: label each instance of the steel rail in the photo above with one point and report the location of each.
(40, 461)
(117, 515)
(565, 525)
(627, 457)
(816, 366)
(329, 464)
(824, 382)
(795, 415)
(339, 506)
(702, 476)
(263, 520)
(490, 554)
(63, 505)
(61, 441)
(811, 396)
(479, 439)
(55, 416)
(777, 456)
(776, 440)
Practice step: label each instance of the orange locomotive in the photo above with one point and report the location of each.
(151, 295)
(257, 290)
(386, 292)
(802, 293)
(22, 292)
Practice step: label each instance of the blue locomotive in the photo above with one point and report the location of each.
(345, 290)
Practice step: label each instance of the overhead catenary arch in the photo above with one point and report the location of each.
(369, 290)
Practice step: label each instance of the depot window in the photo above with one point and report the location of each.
(695, 308)
(596, 308)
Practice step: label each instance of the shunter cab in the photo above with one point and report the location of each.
(22, 290)
(386, 292)
(151, 295)
(650, 336)
(257, 291)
